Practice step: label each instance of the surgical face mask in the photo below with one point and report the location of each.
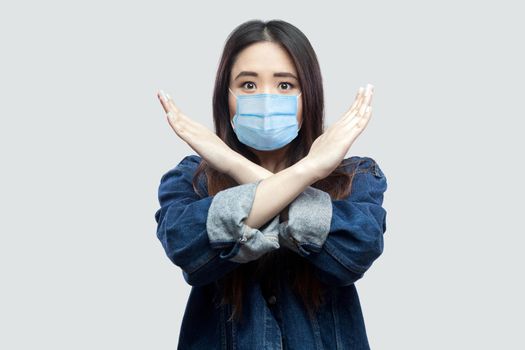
(266, 121)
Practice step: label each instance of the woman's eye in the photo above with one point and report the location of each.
(248, 82)
(289, 84)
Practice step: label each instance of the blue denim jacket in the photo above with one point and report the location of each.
(207, 238)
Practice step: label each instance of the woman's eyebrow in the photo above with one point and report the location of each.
(254, 74)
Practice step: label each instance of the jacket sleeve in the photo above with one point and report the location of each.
(206, 237)
(341, 238)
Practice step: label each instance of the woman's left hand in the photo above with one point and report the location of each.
(202, 140)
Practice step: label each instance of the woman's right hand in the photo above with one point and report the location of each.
(329, 149)
(201, 139)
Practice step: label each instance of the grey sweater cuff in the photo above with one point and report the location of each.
(225, 224)
(309, 219)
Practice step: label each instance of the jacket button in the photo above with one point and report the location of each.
(272, 300)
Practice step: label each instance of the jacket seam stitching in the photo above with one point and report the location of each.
(332, 251)
(200, 266)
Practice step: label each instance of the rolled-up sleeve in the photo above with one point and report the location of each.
(225, 225)
(206, 236)
(341, 238)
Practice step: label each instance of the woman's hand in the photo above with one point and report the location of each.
(329, 149)
(202, 140)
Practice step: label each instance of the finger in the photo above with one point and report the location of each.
(172, 105)
(163, 100)
(177, 117)
(173, 112)
(352, 122)
(350, 114)
(360, 119)
(175, 124)
(167, 102)
(363, 121)
(368, 99)
(355, 111)
(360, 124)
(366, 105)
(368, 102)
(360, 103)
(356, 104)
(367, 115)
(356, 101)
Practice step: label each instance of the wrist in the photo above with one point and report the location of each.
(306, 169)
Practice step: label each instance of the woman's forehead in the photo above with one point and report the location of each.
(263, 58)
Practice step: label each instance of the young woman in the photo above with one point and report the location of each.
(269, 224)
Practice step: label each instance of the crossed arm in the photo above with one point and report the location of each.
(276, 191)
(207, 237)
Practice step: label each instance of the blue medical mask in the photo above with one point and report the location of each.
(266, 121)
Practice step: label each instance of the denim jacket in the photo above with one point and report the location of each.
(207, 238)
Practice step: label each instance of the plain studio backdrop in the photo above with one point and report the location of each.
(84, 142)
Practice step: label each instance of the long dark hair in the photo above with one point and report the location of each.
(338, 184)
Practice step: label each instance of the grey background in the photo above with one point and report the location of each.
(84, 143)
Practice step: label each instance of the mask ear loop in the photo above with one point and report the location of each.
(302, 121)
(235, 99)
